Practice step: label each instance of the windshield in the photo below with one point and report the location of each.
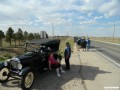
(32, 47)
(28, 54)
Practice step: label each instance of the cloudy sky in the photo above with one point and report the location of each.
(77, 17)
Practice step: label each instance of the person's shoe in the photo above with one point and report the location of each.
(62, 71)
(58, 75)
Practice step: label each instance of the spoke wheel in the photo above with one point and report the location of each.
(27, 80)
(4, 74)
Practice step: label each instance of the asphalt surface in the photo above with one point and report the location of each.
(112, 51)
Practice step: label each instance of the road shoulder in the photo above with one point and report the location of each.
(98, 72)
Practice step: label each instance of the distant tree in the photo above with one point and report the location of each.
(19, 35)
(15, 38)
(30, 36)
(36, 35)
(1, 36)
(9, 35)
(25, 35)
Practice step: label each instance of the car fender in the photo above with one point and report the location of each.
(2, 65)
(25, 70)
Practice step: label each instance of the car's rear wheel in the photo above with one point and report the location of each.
(27, 80)
(4, 74)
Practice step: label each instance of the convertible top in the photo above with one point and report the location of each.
(51, 43)
(44, 41)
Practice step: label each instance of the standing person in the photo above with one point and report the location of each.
(67, 54)
(84, 45)
(88, 44)
(55, 64)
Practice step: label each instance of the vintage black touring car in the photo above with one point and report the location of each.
(23, 66)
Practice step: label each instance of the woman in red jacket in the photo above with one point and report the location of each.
(55, 64)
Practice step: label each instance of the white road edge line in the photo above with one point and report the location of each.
(107, 58)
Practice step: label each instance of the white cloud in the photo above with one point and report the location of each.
(110, 8)
(90, 14)
(97, 17)
(81, 17)
(55, 1)
(36, 14)
(54, 15)
(15, 12)
(91, 21)
(90, 5)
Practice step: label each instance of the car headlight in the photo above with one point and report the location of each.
(5, 63)
(19, 66)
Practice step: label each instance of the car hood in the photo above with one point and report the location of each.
(26, 55)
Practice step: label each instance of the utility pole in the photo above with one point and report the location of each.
(53, 29)
(114, 31)
(67, 33)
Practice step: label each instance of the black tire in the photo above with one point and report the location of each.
(27, 78)
(4, 74)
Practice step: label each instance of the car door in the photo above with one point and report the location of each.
(39, 60)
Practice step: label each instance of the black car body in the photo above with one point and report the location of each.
(80, 42)
(25, 65)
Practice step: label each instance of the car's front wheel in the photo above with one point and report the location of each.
(4, 74)
(27, 80)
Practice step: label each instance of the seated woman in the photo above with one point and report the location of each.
(55, 64)
(58, 57)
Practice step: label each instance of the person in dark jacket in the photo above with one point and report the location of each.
(67, 55)
(84, 43)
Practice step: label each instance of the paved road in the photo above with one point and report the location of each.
(112, 51)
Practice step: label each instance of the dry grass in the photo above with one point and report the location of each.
(6, 44)
(107, 39)
(8, 51)
(63, 44)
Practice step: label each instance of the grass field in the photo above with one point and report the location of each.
(107, 39)
(6, 44)
(9, 51)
